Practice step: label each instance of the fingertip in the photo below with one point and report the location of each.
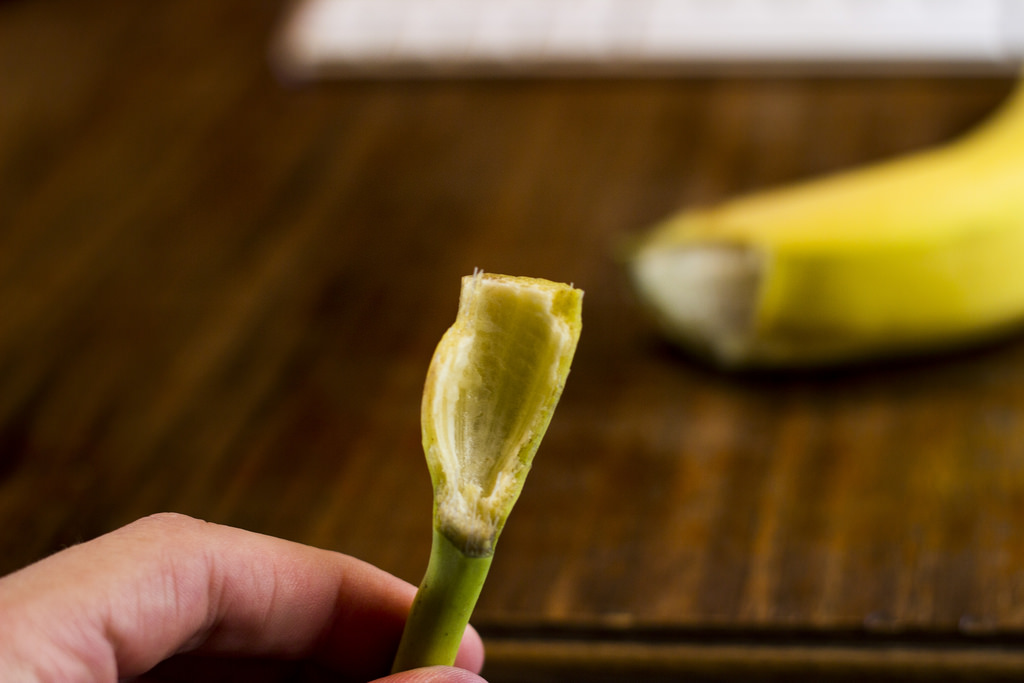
(471, 651)
(433, 674)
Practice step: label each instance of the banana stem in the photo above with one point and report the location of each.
(442, 607)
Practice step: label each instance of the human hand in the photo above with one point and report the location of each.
(171, 598)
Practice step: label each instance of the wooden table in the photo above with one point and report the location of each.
(219, 294)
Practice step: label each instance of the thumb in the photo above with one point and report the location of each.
(433, 674)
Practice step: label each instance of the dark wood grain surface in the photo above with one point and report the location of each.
(219, 294)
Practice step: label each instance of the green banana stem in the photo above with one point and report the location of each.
(442, 607)
(492, 385)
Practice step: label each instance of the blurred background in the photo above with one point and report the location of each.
(225, 260)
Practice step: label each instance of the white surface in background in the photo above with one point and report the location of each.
(409, 37)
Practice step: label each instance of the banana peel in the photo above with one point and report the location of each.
(918, 253)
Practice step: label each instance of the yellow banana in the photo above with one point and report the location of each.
(924, 251)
